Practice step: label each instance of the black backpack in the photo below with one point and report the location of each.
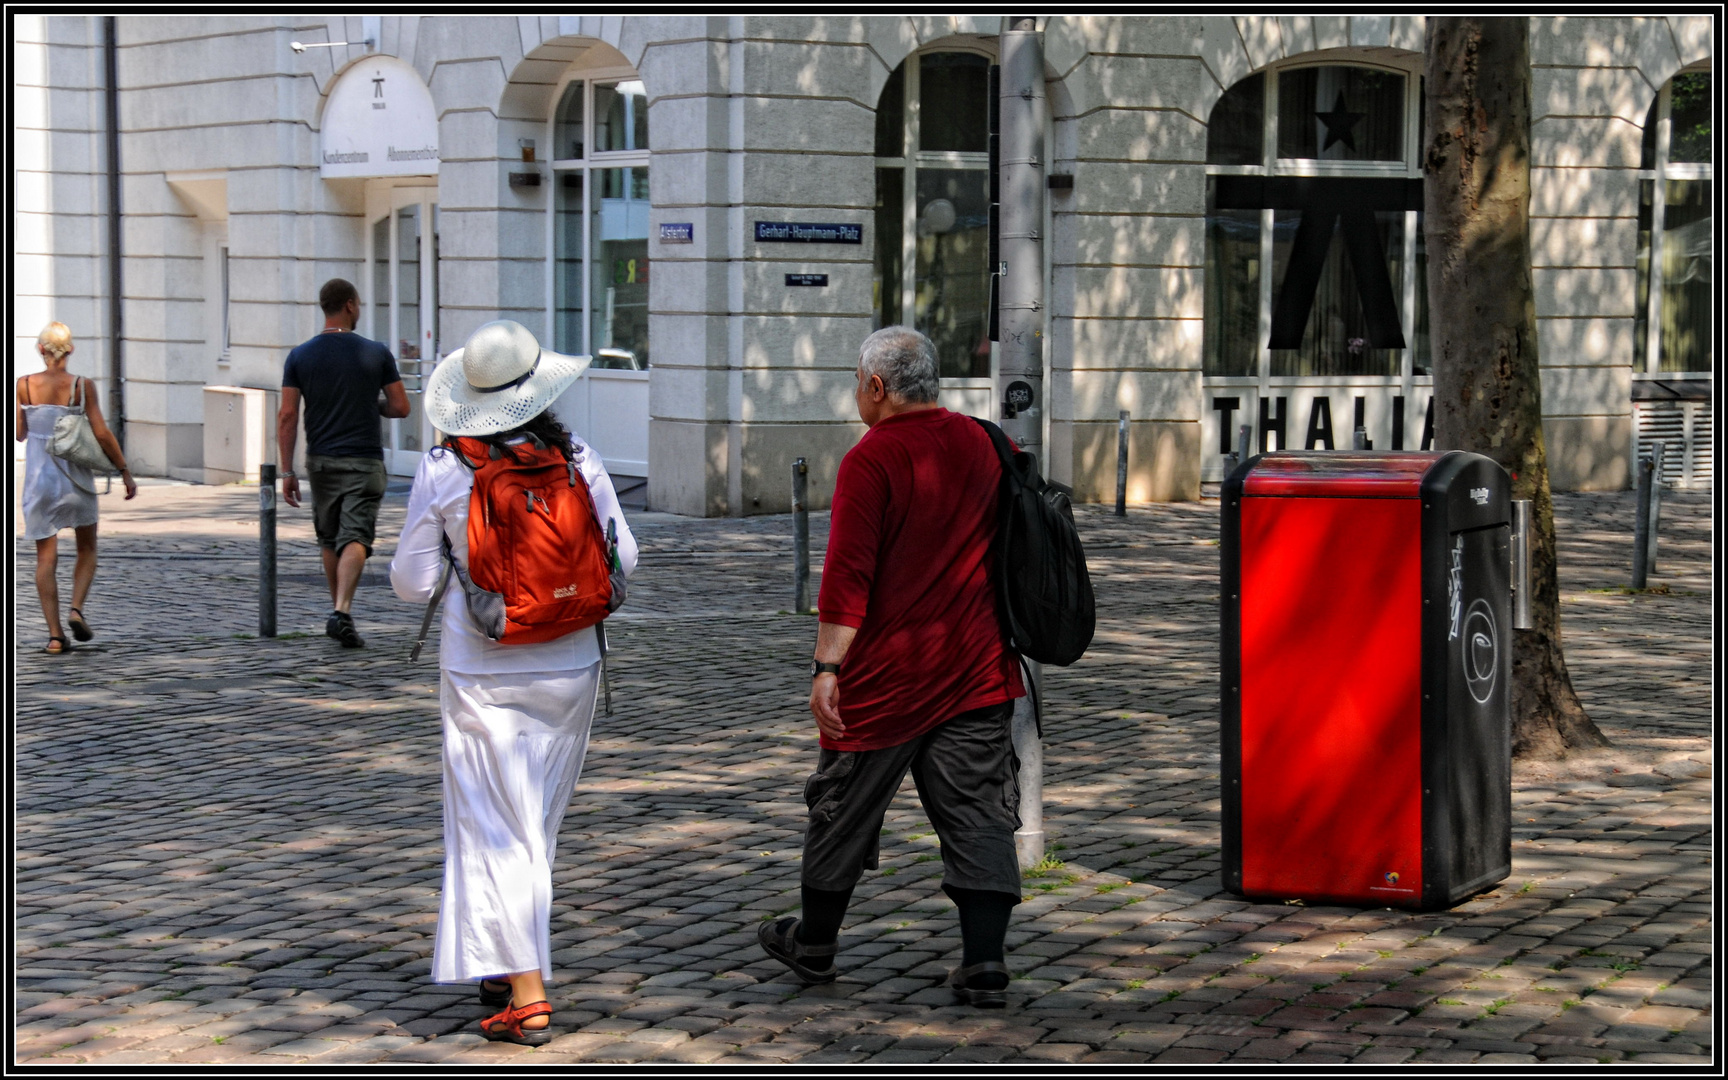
(1042, 588)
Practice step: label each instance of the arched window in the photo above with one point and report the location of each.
(1314, 257)
(1674, 231)
(933, 206)
(599, 151)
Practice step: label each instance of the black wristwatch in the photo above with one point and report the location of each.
(818, 668)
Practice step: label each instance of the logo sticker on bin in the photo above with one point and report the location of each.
(1391, 885)
(1481, 652)
(1479, 496)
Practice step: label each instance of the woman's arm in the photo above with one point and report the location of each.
(18, 401)
(105, 438)
(607, 508)
(419, 561)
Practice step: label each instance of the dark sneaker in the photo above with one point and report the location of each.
(345, 632)
(333, 626)
(984, 985)
(780, 940)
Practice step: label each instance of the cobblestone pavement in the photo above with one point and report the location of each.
(228, 849)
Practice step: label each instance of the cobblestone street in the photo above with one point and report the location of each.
(228, 848)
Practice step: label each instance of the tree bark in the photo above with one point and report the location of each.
(1482, 311)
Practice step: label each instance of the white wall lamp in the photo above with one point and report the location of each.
(302, 46)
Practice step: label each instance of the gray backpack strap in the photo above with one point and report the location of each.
(437, 596)
(605, 683)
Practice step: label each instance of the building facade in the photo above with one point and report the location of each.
(720, 209)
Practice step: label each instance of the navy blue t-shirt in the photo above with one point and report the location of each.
(339, 376)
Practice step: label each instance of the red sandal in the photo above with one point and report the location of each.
(507, 1025)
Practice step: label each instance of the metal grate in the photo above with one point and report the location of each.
(1685, 426)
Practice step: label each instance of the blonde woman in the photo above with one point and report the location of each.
(57, 493)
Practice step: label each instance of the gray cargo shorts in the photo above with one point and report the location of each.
(967, 777)
(346, 492)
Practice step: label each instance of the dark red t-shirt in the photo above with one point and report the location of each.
(909, 566)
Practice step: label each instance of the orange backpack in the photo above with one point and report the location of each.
(539, 566)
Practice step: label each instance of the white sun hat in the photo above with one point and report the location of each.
(499, 380)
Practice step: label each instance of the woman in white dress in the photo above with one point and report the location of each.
(59, 494)
(516, 717)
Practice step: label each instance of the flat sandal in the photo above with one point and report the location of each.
(507, 1025)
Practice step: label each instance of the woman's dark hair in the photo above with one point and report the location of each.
(544, 429)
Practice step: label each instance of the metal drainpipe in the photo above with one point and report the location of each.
(117, 361)
(1020, 350)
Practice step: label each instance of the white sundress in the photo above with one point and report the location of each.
(57, 494)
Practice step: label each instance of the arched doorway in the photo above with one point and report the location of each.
(380, 126)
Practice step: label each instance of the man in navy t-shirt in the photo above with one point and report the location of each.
(339, 374)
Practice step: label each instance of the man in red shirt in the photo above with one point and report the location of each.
(912, 670)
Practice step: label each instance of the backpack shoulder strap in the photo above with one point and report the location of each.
(998, 439)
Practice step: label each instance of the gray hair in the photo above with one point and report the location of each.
(904, 360)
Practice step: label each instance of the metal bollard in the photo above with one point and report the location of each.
(267, 551)
(1641, 525)
(1359, 441)
(1658, 451)
(1521, 565)
(1238, 455)
(1122, 463)
(800, 537)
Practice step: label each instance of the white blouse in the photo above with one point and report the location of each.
(439, 501)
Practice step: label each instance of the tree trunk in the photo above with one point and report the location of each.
(1482, 311)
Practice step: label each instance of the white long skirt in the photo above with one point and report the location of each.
(513, 748)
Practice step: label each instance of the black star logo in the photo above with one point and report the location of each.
(1339, 123)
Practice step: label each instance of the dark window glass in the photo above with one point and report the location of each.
(1420, 361)
(951, 298)
(1647, 153)
(620, 116)
(1231, 336)
(1341, 114)
(567, 263)
(1235, 132)
(954, 102)
(1641, 315)
(1686, 297)
(619, 269)
(1335, 340)
(1689, 118)
(890, 193)
(567, 142)
(891, 116)
(381, 280)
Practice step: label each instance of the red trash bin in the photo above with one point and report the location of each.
(1366, 640)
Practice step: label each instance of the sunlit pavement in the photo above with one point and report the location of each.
(228, 849)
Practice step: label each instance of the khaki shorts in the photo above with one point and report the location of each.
(346, 492)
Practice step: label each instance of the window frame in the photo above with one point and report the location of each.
(227, 353)
(1272, 165)
(909, 164)
(591, 162)
(1649, 367)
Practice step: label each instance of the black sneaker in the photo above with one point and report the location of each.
(343, 623)
(333, 626)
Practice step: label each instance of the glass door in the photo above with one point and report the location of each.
(403, 303)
